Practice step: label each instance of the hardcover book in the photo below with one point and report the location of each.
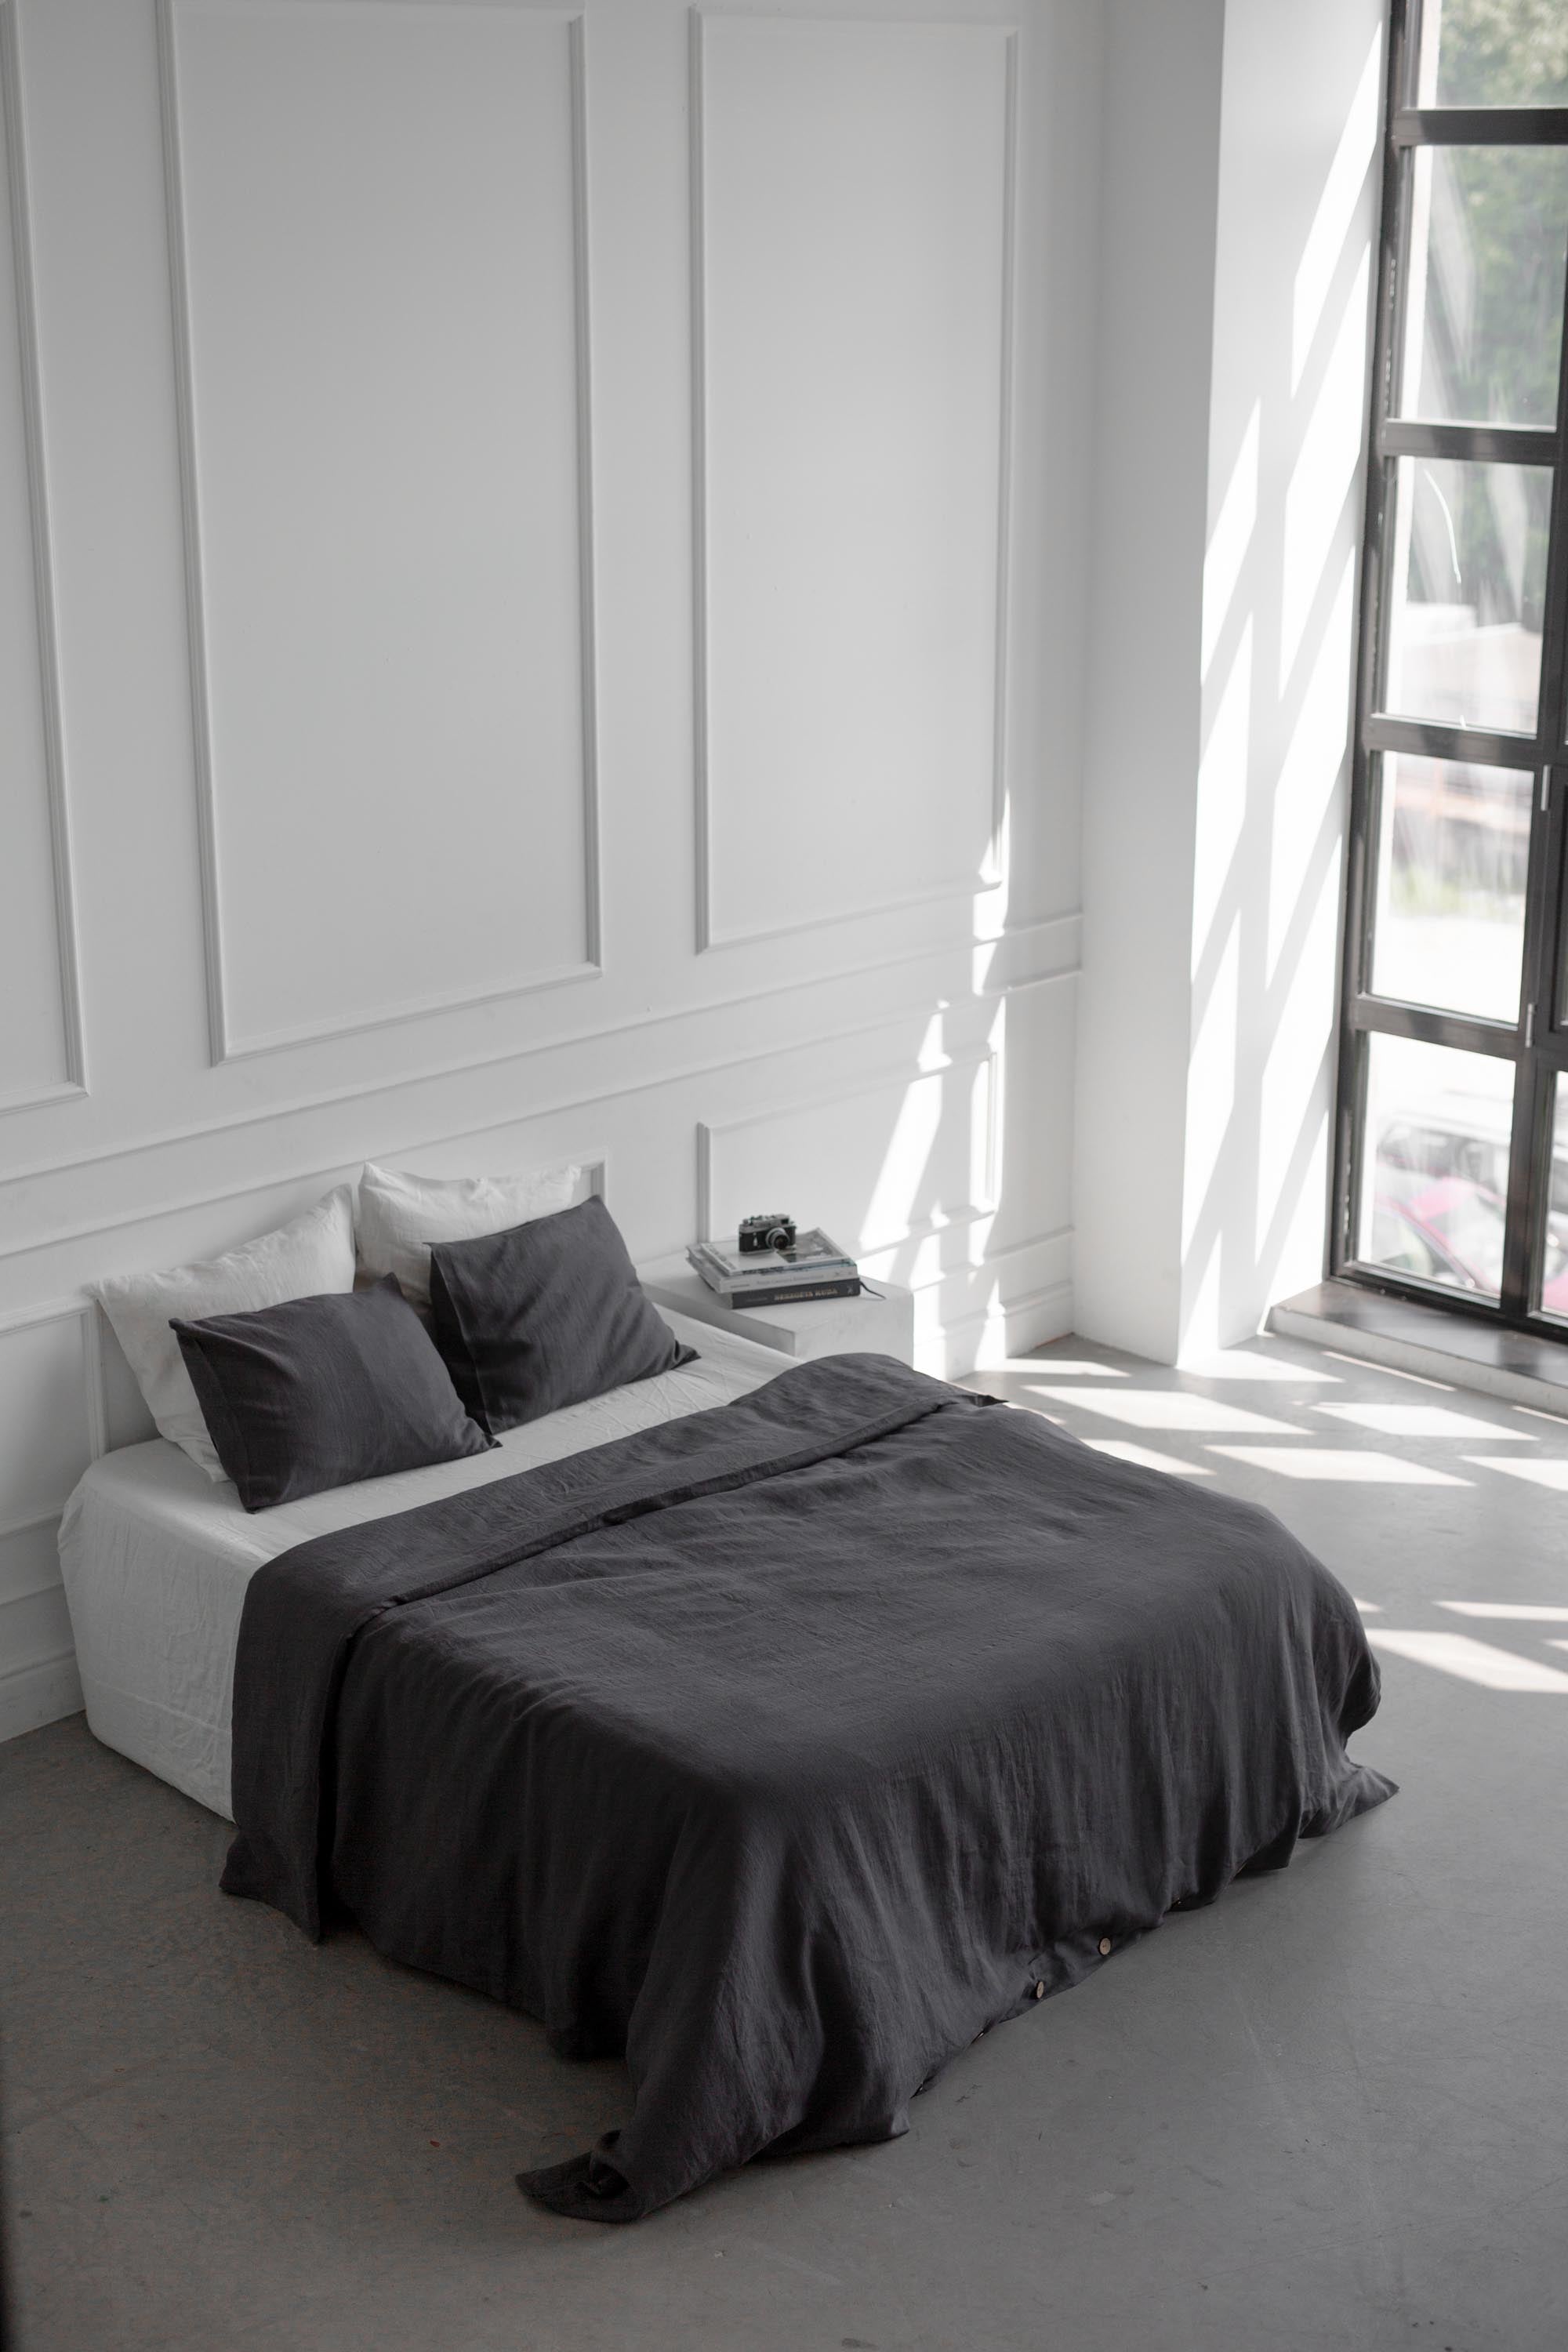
(808, 1249)
(813, 1258)
(774, 1294)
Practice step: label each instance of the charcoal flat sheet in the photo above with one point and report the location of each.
(788, 1746)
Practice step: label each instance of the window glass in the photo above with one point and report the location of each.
(1448, 907)
(1434, 1160)
(1493, 53)
(1489, 242)
(1554, 1275)
(1465, 558)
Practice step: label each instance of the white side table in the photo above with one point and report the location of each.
(817, 1327)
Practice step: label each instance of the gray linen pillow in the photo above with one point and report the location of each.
(546, 1315)
(318, 1393)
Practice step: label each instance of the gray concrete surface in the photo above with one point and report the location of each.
(1329, 2112)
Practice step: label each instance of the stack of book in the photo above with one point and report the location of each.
(813, 1268)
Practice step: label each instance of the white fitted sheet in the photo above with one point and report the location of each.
(157, 1558)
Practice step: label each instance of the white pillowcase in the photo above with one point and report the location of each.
(312, 1254)
(401, 1217)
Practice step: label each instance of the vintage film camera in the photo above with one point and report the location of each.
(766, 1233)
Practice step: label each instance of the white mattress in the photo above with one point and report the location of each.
(156, 1557)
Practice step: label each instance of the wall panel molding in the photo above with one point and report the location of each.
(1029, 956)
(1002, 767)
(97, 1385)
(1036, 1266)
(81, 1309)
(592, 1161)
(67, 966)
(1028, 1319)
(49, 1311)
(196, 621)
(710, 1132)
(546, 1106)
(38, 1678)
(30, 1523)
(37, 1692)
(965, 1288)
(224, 1044)
(394, 459)
(1021, 1296)
(710, 936)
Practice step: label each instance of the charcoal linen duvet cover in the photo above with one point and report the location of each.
(788, 1746)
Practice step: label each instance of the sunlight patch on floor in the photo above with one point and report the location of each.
(1243, 1364)
(1354, 1469)
(1473, 1662)
(1144, 1457)
(1423, 1420)
(1390, 1371)
(1167, 1409)
(1540, 1474)
(1529, 1611)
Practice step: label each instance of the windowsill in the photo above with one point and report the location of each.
(1406, 1335)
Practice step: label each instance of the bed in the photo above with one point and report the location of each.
(157, 1558)
(783, 1732)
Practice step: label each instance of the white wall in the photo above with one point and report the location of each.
(1234, 331)
(1295, 265)
(1153, 359)
(470, 476)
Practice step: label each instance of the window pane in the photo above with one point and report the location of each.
(1560, 786)
(1489, 240)
(1434, 1162)
(1448, 914)
(1467, 572)
(1493, 53)
(1552, 1293)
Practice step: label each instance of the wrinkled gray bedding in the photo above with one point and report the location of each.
(788, 1746)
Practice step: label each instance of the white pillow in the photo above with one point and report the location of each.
(401, 1217)
(312, 1254)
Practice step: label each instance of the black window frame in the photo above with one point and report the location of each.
(1537, 1043)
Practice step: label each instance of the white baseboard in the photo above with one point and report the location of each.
(1044, 1314)
(39, 1693)
(1006, 1327)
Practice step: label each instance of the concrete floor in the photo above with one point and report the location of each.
(1328, 2112)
